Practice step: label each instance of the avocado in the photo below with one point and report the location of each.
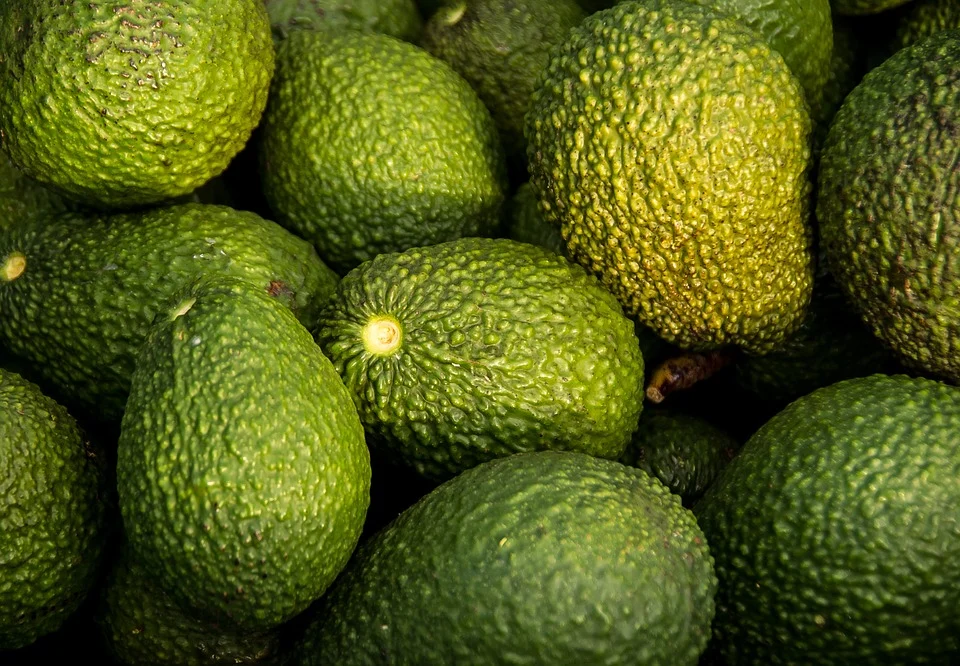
(525, 223)
(142, 626)
(242, 472)
(925, 18)
(122, 103)
(53, 526)
(800, 31)
(472, 349)
(864, 7)
(537, 558)
(399, 18)
(22, 198)
(888, 195)
(685, 452)
(78, 293)
(848, 64)
(671, 145)
(835, 531)
(371, 145)
(500, 47)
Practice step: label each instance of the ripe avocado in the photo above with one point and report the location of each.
(242, 472)
(672, 147)
(888, 201)
(926, 18)
(370, 145)
(800, 30)
(477, 348)
(77, 294)
(538, 558)
(53, 522)
(500, 47)
(836, 533)
(121, 103)
(399, 18)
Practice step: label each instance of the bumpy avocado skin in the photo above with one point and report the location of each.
(538, 558)
(500, 47)
(120, 103)
(800, 30)
(82, 306)
(399, 18)
(502, 347)
(142, 626)
(53, 525)
(675, 158)
(22, 198)
(926, 18)
(685, 452)
(834, 530)
(371, 145)
(864, 7)
(242, 472)
(888, 203)
(526, 224)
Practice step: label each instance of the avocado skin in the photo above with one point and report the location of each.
(835, 532)
(542, 558)
(888, 200)
(505, 347)
(242, 472)
(92, 285)
(53, 527)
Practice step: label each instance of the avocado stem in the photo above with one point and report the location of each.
(682, 372)
(382, 335)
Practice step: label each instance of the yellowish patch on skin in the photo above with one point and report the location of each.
(184, 308)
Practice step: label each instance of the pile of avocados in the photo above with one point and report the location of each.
(480, 332)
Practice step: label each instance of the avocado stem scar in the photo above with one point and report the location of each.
(183, 308)
(13, 266)
(382, 335)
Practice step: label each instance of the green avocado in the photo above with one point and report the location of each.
(22, 198)
(372, 145)
(835, 530)
(123, 103)
(78, 293)
(242, 472)
(477, 348)
(54, 518)
(142, 626)
(399, 18)
(538, 558)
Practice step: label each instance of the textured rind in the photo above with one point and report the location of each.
(526, 225)
(684, 452)
(863, 7)
(889, 203)
(800, 30)
(506, 347)
(82, 307)
(925, 19)
(52, 526)
(22, 198)
(242, 471)
(848, 63)
(120, 103)
(142, 626)
(672, 146)
(831, 345)
(500, 47)
(539, 558)
(835, 530)
(372, 145)
(399, 18)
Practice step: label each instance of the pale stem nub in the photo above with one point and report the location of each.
(382, 335)
(14, 266)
